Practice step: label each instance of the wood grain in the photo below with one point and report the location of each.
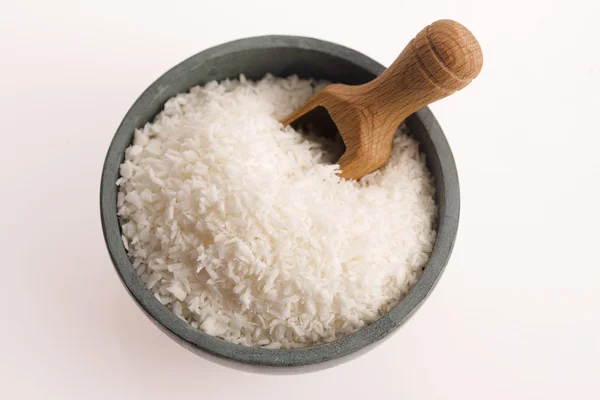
(442, 59)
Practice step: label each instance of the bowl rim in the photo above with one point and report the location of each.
(319, 355)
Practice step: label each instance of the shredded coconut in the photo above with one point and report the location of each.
(244, 230)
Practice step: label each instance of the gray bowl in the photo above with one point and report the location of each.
(281, 56)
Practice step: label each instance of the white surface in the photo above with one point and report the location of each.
(517, 311)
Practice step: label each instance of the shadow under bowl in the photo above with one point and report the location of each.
(281, 56)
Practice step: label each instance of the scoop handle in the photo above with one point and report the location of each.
(442, 59)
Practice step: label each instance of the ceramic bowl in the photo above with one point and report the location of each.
(281, 56)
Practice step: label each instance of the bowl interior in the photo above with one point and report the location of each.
(281, 56)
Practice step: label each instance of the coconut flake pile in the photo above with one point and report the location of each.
(242, 229)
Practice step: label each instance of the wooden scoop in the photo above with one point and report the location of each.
(442, 59)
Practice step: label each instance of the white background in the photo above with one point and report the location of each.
(517, 313)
